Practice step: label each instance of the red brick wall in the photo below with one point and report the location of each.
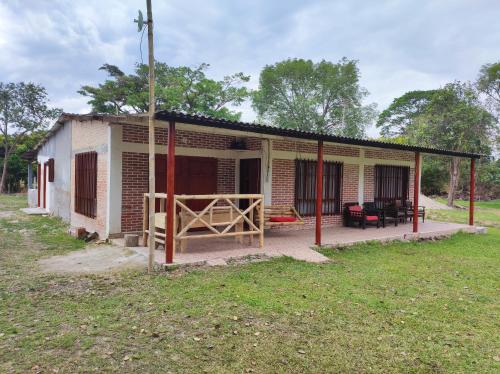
(135, 181)
(389, 154)
(283, 189)
(283, 182)
(139, 134)
(91, 136)
(226, 170)
(308, 147)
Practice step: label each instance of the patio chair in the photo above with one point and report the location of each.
(372, 209)
(420, 211)
(356, 213)
(395, 211)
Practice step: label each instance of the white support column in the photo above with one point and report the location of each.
(266, 168)
(361, 176)
(114, 208)
(420, 176)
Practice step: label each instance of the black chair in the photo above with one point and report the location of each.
(394, 212)
(372, 209)
(356, 213)
(420, 211)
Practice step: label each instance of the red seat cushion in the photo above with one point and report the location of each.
(355, 208)
(282, 219)
(371, 218)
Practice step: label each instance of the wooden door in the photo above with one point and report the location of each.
(193, 176)
(249, 178)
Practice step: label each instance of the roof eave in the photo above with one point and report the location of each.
(269, 130)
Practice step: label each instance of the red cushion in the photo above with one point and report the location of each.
(371, 218)
(355, 208)
(282, 219)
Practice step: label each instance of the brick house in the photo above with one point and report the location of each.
(98, 167)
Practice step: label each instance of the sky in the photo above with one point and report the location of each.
(400, 45)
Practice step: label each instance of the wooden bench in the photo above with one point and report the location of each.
(275, 211)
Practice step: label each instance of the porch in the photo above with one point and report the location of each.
(297, 243)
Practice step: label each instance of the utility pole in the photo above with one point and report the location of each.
(152, 110)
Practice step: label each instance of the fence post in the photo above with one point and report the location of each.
(145, 220)
(261, 222)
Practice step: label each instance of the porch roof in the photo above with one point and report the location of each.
(308, 135)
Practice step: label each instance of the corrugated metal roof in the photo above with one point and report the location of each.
(299, 134)
(82, 117)
(252, 128)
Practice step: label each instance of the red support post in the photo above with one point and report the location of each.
(319, 191)
(472, 190)
(38, 176)
(44, 185)
(416, 191)
(170, 211)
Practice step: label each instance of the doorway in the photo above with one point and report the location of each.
(249, 179)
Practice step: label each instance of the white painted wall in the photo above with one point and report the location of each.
(114, 225)
(58, 196)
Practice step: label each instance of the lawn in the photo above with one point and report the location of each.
(486, 213)
(402, 307)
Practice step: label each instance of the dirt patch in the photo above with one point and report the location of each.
(431, 203)
(93, 260)
(7, 214)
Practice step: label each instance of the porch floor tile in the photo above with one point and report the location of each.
(299, 244)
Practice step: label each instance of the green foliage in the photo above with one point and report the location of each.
(455, 119)
(489, 84)
(323, 97)
(23, 110)
(434, 175)
(399, 116)
(17, 169)
(176, 88)
(488, 179)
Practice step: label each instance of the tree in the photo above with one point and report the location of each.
(455, 119)
(398, 118)
(17, 169)
(323, 97)
(177, 88)
(488, 83)
(452, 117)
(23, 110)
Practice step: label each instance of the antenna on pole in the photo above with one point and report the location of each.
(151, 228)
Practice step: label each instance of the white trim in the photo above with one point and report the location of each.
(291, 155)
(114, 193)
(361, 177)
(266, 170)
(189, 151)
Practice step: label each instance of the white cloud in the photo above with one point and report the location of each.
(401, 45)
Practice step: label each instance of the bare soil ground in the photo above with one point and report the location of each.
(103, 258)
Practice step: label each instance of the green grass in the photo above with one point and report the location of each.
(486, 213)
(401, 307)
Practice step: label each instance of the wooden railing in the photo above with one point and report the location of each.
(221, 218)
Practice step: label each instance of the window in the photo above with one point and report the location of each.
(391, 183)
(86, 183)
(51, 170)
(305, 187)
